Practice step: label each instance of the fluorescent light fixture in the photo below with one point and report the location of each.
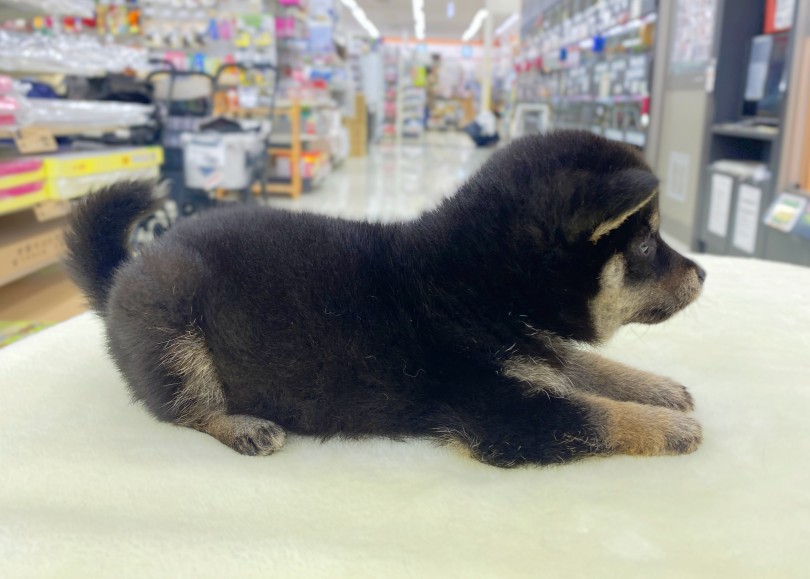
(451, 9)
(360, 15)
(507, 24)
(419, 19)
(475, 25)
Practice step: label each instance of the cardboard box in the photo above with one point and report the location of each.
(357, 127)
(27, 245)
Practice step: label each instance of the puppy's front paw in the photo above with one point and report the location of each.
(683, 436)
(641, 429)
(670, 394)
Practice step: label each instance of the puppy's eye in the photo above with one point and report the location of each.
(647, 248)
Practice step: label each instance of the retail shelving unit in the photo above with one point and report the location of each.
(294, 186)
(391, 74)
(731, 207)
(591, 63)
(37, 181)
(412, 117)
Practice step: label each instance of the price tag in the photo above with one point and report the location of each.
(35, 140)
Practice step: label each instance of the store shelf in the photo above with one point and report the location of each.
(746, 132)
(306, 104)
(66, 130)
(31, 8)
(21, 202)
(278, 140)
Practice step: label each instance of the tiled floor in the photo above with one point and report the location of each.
(394, 182)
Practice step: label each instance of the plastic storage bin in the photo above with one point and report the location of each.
(215, 160)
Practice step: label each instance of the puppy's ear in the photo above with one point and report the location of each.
(624, 194)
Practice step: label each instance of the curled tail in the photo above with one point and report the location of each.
(98, 239)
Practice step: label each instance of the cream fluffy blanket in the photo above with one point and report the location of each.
(91, 486)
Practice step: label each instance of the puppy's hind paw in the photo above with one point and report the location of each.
(247, 435)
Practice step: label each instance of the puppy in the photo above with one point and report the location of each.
(464, 326)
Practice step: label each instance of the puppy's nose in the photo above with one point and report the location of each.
(701, 273)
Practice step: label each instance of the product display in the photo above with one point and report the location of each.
(592, 65)
(74, 54)
(82, 8)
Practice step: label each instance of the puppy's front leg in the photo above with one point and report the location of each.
(592, 373)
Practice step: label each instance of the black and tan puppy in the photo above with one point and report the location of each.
(463, 326)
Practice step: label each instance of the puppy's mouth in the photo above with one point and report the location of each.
(683, 295)
(653, 316)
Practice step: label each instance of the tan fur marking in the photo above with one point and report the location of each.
(689, 290)
(593, 373)
(614, 305)
(638, 429)
(538, 376)
(458, 440)
(655, 221)
(200, 394)
(608, 226)
(200, 401)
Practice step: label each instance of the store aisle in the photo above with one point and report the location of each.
(395, 182)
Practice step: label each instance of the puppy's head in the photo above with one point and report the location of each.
(642, 280)
(615, 226)
(578, 236)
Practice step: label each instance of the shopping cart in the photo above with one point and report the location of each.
(228, 154)
(183, 101)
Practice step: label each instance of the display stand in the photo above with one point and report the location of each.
(591, 64)
(294, 187)
(730, 137)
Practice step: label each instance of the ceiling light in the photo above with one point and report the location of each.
(507, 24)
(360, 15)
(419, 19)
(477, 20)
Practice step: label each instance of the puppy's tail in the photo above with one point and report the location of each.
(98, 237)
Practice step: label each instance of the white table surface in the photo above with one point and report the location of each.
(92, 486)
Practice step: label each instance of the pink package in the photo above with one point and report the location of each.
(9, 105)
(25, 189)
(17, 166)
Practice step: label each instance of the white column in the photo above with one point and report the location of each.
(486, 73)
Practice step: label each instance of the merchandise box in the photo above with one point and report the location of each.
(22, 184)
(16, 173)
(27, 245)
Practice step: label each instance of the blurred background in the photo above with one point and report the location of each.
(379, 109)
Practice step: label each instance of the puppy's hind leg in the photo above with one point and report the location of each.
(200, 403)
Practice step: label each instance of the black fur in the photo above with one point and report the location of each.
(329, 327)
(98, 241)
